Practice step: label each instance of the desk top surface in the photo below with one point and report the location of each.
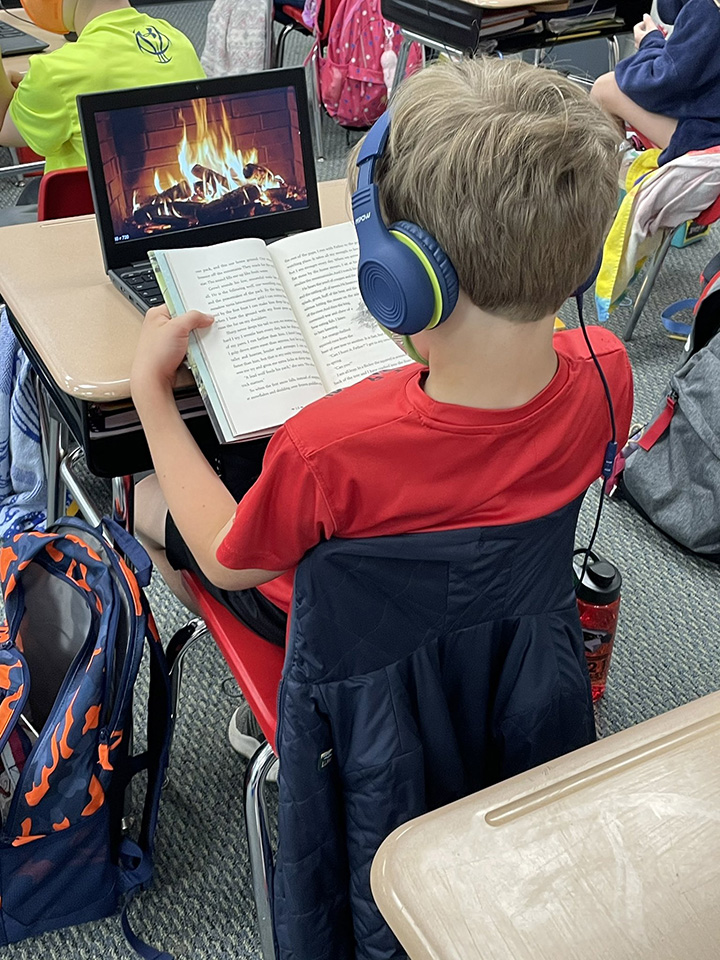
(609, 853)
(21, 21)
(84, 331)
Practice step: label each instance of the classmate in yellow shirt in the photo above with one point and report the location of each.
(117, 47)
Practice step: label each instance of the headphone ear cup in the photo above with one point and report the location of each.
(51, 14)
(438, 264)
(395, 284)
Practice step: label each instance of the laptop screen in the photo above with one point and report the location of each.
(218, 164)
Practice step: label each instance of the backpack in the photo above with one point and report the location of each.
(78, 622)
(671, 468)
(351, 76)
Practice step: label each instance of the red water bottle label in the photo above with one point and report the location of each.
(598, 650)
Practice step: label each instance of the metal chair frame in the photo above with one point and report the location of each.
(254, 798)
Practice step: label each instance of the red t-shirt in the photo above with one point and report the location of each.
(382, 458)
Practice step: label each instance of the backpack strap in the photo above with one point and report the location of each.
(678, 328)
(136, 857)
(660, 424)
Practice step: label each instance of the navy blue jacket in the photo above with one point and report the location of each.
(680, 77)
(420, 668)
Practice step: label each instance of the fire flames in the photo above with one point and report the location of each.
(213, 181)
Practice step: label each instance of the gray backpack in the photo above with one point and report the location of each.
(672, 467)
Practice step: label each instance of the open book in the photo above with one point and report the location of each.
(290, 325)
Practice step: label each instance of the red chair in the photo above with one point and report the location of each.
(65, 193)
(257, 666)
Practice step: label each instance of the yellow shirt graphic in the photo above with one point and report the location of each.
(122, 48)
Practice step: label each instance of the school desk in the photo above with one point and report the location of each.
(454, 27)
(80, 334)
(609, 853)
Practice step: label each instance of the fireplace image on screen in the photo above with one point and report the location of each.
(177, 166)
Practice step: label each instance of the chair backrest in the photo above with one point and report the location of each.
(65, 193)
(325, 18)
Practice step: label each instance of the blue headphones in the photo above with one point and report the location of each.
(406, 279)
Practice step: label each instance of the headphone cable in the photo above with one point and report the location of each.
(610, 450)
(4, 9)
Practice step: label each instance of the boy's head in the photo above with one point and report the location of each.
(512, 169)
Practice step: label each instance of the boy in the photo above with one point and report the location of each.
(513, 170)
(669, 90)
(117, 47)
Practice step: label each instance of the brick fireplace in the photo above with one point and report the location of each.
(140, 151)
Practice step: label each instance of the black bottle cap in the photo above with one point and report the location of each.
(601, 583)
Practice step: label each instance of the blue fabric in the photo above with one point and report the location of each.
(23, 490)
(419, 669)
(680, 77)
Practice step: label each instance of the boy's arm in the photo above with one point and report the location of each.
(200, 504)
(9, 136)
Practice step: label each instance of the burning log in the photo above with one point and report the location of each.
(257, 173)
(209, 177)
(178, 191)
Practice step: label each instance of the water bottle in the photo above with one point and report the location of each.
(598, 599)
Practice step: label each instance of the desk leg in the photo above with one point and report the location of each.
(50, 438)
(123, 510)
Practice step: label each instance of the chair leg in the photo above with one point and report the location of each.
(259, 844)
(316, 108)
(179, 644)
(269, 39)
(123, 507)
(67, 474)
(279, 55)
(401, 65)
(647, 285)
(613, 52)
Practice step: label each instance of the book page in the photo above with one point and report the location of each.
(256, 353)
(319, 269)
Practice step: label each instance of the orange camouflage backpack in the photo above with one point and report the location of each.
(78, 623)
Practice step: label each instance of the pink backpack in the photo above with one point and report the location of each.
(361, 53)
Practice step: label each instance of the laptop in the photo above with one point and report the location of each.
(14, 42)
(197, 163)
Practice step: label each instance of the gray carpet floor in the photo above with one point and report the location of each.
(667, 653)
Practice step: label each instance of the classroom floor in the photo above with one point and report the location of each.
(667, 653)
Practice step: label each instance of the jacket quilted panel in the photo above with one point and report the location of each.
(420, 669)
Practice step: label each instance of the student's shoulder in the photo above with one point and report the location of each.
(373, 403)
(696, 15)
(572, 344)
(608, 348)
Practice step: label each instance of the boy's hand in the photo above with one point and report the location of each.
(14, 76)
(641, 30)
(162, 347)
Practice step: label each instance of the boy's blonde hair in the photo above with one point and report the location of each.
(512, 169)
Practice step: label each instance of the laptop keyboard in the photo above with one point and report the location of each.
(7, 31)
(142, 282)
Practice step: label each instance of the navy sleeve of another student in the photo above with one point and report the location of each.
(669, 9)
(678, 77)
